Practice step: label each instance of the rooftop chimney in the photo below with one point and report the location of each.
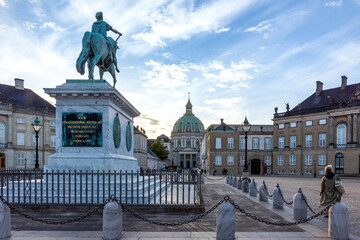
(319, 87)
(19, 83)
(343, 82)
(222, 120)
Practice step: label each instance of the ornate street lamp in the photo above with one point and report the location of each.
(246, 128)
(37, 125)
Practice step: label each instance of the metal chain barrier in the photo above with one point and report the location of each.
(266, 191)
(214, 179)
(76, 219)
(124, 207)
(288, 203)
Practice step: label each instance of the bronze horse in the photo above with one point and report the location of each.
(96, 52)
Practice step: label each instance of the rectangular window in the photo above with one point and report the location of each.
(281, 126)
(293, 124)
(230, 143)
(308, 140)
(308, 123)
(321, 172)
(230, 160)
(292, 141)
(308, 160)
(255, 143)
(292, 171)
(20, 120)
(52, 140)
(322, 139)
(268, 171)
(292, 160)
(280, 171)
(218, 143)
(322, 159)
(280, 160)
(322, 121)
(52, 124)
(242, 160)
(267, 143)
(20, 158)
(267, 160)
(281, 142)
(218, 161)
(242, 143)
(308, 171)
(20, 139)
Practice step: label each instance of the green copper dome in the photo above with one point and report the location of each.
(188, 122)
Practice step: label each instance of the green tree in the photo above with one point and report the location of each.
(159, 149)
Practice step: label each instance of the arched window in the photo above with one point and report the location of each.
(341, 135)
(2, 133)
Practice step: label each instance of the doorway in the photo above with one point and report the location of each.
(2, 161)
(339, 163)
(255, 166)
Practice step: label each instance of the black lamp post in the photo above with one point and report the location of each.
(37, 125)
(246, 128)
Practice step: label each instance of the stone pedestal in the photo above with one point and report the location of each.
(338, 222)
(262, 195)
(5, 221)
(112, 221)
(300, 208)
(94, 128)
(225, 225)
(253, 189)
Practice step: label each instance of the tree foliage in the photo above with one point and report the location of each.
(159, 149)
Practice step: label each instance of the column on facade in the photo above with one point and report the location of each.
(348, 140)
(9, 131)
(355, 122)
(331, 130)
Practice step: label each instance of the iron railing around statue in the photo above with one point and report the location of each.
(20, 187)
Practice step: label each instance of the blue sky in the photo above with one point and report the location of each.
(237, 58)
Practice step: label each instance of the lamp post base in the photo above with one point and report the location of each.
(245, 174)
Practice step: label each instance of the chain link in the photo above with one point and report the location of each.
(214, 179)
(282, 196)
(266, 191)
(306, 202)
(76, 219)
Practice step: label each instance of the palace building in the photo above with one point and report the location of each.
(323, 129)
(223, 148)
(19, 107)
(185, 140)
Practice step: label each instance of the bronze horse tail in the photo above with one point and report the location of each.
(80, 62)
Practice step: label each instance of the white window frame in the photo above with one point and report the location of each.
(230, 143)
(52, 140)
(341, 135)
(308, 171)
(255, 143)
(322, 139)
(322, 121)
(218, 160)
(281, 126)
(20, 120)
(308, 160)
(322, 159)
(308, 140)
(20, 158)
(280, 171)
(293, 141)
(292, 160)
(281, 144)
(280, 160)
(267, 160)
(242, 142)
(308, 123)
(230, 160)
(292, 171)
(218, 143)
(267, 143)
(293, 125)
(20, 138)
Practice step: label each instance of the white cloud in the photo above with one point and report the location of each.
(210, 90)
(226, 102)
(220, 30)
(2, 3)
(264, 27)
(334, 3)
(52, 26)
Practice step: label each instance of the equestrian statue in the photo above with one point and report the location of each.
(99, 49)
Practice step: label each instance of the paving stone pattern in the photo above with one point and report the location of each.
(212, 192)
(311, 188)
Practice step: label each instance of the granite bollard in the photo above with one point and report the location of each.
(112, 221)
(245, 185)
(338, 222)
(227, 179)
(5, 221)
(235, 182)
(239, 184)
(253, 189)
(225, 225)
(262, 195)
(202, 178)
(300, 208)
(277, 199)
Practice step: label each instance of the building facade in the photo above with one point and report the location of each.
(321, 130)
(19, 107)
(186, 139)
(140, 147)
(223, 148)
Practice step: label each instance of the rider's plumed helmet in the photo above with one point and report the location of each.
(99, 15)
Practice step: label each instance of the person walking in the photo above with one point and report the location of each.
(328, 192)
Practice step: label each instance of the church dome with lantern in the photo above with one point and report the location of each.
(188, 122)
